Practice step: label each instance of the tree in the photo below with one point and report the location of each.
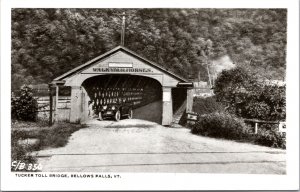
(231, 87)
(48, 42)
(247, 97)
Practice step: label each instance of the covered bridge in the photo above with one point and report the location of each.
(120, 75)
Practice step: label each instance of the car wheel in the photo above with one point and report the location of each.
(130, 114)
(118, 116)
(100, 116)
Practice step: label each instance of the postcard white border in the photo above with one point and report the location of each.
(150, 181)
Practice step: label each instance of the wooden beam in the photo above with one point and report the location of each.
(140, 79)
(256, 128)
(125, 82)
(261, 121)
(133, 78)
(56, 103)
(145, 83)
(117, 82)
(107, 83)
(50, 105)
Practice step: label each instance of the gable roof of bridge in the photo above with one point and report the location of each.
(116, 49)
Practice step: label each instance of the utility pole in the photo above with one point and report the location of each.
(209, 78)
(207, 60)
(199, 76)
(123, 29)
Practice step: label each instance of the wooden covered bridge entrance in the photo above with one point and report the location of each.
(122, 76)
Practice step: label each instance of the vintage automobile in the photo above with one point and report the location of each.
(116, 111)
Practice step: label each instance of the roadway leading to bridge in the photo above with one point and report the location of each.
(142, 146)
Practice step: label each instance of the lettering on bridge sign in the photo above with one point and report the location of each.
(122, 70)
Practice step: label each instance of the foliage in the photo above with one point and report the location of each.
(242, 94)
(25, 106)
(220, 125)
(206, 105)
(232, 85)
(48, 42)
(228, 126)
(267, 104)
(270, 138)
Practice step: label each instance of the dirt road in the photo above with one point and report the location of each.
(142, 146)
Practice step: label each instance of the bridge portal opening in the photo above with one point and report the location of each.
(144, 94)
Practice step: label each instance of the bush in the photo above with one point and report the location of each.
(270, 138)
(207, 105)
(24, 107)
(221, 125)
(227, 126)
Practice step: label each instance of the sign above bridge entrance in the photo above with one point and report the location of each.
(121, 62)
(122, 70)
(121, 65)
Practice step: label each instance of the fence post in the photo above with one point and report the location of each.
(50, 104)
(56, 103)
(256, 128)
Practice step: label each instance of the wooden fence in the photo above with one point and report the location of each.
(63, 114)
(281, 125)
(193, 117)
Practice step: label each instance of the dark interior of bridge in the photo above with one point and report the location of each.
(119, 89)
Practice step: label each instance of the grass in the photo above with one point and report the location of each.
(47, 137)
(28, 125)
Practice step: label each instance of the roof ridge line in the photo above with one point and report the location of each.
(74, 70)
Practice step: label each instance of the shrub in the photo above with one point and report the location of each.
(270, 138)
(207, 105)
(221, 125)
(24, 107)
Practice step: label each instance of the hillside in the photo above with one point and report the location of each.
(48, 42)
